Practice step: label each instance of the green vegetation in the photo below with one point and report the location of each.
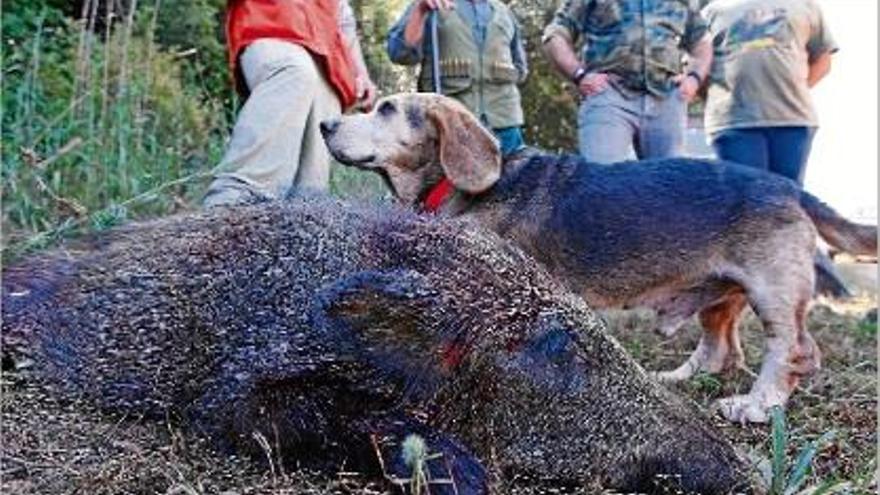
(705, 383)
(867, 329)
(841, 397)
(111, 113)
(788, 479)
(98, 125)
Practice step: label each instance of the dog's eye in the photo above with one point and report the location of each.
(387, 108)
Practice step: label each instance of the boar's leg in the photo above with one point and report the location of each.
(396, 324)
(407, 447)
(391, 317)
(719, 348)
(325, 421)
(308, 417)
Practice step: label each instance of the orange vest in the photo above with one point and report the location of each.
(312, 24)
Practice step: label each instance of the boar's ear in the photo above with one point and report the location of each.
(389, 320)
(469, 154)
(384, 307)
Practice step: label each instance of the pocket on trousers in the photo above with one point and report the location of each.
(597, 98)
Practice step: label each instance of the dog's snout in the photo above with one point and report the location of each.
(328, 127)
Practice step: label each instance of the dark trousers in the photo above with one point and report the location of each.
(781, 150)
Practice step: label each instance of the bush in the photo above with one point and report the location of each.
(91, 124)
(194, 30)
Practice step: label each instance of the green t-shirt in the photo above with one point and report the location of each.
(762, 53)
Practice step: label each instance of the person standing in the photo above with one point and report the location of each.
(630, 74)
(297, 62)
(759, 112)
(768, 54)
(482, 59)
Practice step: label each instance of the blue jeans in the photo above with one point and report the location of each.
(612, 126)
(781, 150)
(510, 139)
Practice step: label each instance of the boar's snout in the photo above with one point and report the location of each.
(686, 468)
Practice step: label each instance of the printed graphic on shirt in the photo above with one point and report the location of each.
(759, 29)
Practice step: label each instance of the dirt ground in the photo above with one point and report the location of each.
(54, 445)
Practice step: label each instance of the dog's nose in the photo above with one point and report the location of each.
(328, 127)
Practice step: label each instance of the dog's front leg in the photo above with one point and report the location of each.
(791, 354)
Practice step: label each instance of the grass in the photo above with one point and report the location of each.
(705, 384)
(868, 329)
(98, 133)
(98, 128)
(102, 127)
(839, 398)
(788, 479)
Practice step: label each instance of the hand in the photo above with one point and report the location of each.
(428, 5)
(687, 86)
(366, 92)
(593, 84)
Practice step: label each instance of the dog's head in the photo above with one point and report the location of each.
(414, 140)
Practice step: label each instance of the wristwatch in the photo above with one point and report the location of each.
(579, 74)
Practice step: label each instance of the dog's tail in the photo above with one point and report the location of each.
(851, 237)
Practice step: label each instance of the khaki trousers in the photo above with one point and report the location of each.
(276, 143)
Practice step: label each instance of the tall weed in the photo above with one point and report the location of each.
(97, 122)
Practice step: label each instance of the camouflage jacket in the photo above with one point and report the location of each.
(641, 42)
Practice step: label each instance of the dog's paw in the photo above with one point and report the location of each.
(743, 409)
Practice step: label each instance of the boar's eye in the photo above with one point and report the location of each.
(550, 359)
(553, 345)
(386, 109)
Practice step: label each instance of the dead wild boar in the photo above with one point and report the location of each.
(332, 329)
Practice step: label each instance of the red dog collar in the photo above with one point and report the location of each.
(438, 195)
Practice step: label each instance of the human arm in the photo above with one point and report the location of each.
(405, 38)
(697, 41)
(560, 51)
(819, 68)
(699, 61)
(518, 54)
(415, 27)
(364, 86)
(820, 47)
(558, 45)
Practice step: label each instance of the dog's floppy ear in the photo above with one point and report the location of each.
(469, 154)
